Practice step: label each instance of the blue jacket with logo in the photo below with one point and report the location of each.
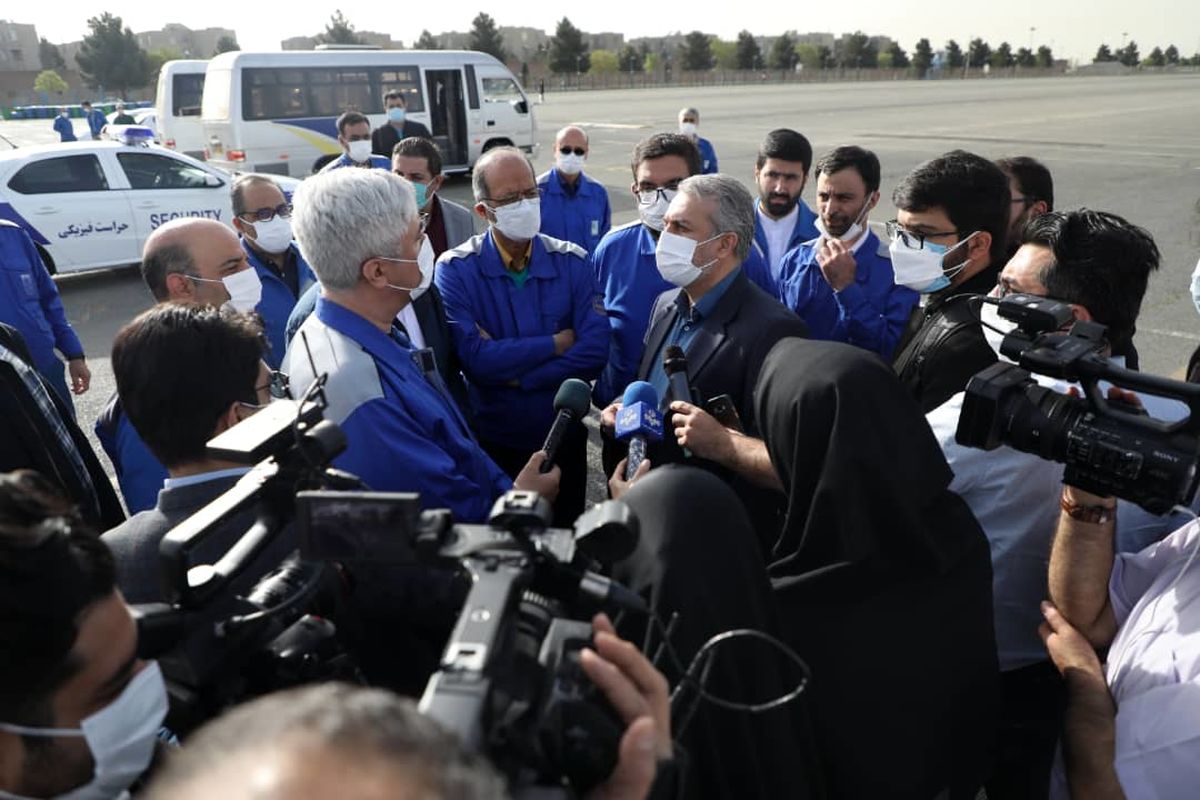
(277, 300)
(870, 313)
(581, 218)
(344, 160)
(708, 156)
(96, 121)
(504, 333)
(29, 301)
(139, 473)
(804, 230)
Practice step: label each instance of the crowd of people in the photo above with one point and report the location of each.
(971, 623)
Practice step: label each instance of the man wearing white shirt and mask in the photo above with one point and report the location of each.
(575, 208)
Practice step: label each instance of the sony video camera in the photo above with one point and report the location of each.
(1108, 447)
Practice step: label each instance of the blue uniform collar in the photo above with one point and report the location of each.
(556, 184)
(379, 345)
(862, 260)
(647, 245)
(492, 265)
(704, 307)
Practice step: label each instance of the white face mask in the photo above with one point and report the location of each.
(921, 269)
(519, 221)
(851, 233)
(687, 128)
(424, 262)
(273, 236)
(245, 289)
(652, 213)
(995, 327)
(674, 256)
(360, 150)
(1196, 287)
(121, 737)
(570, 164)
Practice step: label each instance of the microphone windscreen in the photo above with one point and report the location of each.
(640, 392)
(575, 396)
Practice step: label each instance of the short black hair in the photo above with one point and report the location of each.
(785, 144)
(852, 156)
(420, 147)
(970, 189)
(1032, 176)
(350, 118)
(1101, 262)
(52, 568)
(86, 103)
(179, 368)
(162, 261)
(394, 94)
(667, 144)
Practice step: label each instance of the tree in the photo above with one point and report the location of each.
(922, 58)
(978, 53)
(50, 82)
(426, 42)
(954, 55)
(857, 51)
(1045, 58)
(1128, 55)
(695, 53)
(749, 55)
(1156, 58)
(485, 37)
(156, 58)
(1171, 54)
(339, 31)
(1103, 55)
(897, 56)
(809, 56)
(631, 60)
(783, 53)
(111, 57)
(226, 44)
(50, 56)
(1003, 56)
(1025, 57)
(724, 54)
(568, 50)
(604, 62)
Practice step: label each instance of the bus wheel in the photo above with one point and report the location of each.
(496, 143)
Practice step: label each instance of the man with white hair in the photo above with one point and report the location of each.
(689, 122)
(360, 231)
(574, 207)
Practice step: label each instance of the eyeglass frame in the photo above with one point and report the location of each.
(894, 229)
(566, 151)
(502, 202)
(658, 191)
(278, 385)
(283, 210)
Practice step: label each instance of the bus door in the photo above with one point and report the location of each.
(447, 114)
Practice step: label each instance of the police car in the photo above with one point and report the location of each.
(92, 204)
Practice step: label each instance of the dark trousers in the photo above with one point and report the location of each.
(571, 458)
(1034, 699)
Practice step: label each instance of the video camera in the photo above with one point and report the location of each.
(1108, 447)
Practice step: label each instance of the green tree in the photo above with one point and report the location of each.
(856, 50)
(783, 53)
(809, 56)
(111, 57)
(485, 36)
(49, 55)
(922, 58)
(226, 44)
(50, 82)
(954, 55)
(749, 55)
(896, 55)
(695, 54)
(631, 60)
(1003, 56)
(1156, 58)
(1128, 55)
(1171, 54)
(604, 62)
(651, 61)
(1103, 55)
(339, 31)
(568, 50)
(724, 54)
(1025, 57)
(979, 53)
(156, 58)
(426, 42)
(1045, 58)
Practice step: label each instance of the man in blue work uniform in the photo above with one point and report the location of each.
(63, 126)
(574, 207)
(689, 122)
(525, 315)
(95, 119)
(29, 302)
(782, 220)
(362, 235)
(264, 219)
(841, 283)
(354, 135)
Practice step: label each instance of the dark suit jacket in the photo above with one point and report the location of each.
(134, 543)
(384, 138)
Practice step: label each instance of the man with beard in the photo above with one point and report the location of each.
(1032, 190)
(841, 283)
(782, 221)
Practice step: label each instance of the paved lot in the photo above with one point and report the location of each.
(1126, 145)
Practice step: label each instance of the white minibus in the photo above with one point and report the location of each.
(177, 103)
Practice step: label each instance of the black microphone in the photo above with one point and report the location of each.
(572, 401)
(675, 365)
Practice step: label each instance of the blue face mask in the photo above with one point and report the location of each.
(422, 196)
(396, 115)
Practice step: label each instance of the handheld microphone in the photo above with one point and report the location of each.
(675, 365)
(638, 421)
(572, 401)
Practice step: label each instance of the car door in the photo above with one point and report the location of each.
(163, 187)
(505, 111)
(74, 212)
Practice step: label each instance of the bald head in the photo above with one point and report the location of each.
(191, 247)
(503, 165)
(571, 136)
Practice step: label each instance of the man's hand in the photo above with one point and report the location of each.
(617, 485)
(837, 263)
(529, 479)
(81, 376)
(640, 695)
(699, 431)
(608, 417)
(1068, 648)
(563, 341)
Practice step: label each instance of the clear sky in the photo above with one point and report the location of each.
(1073, 28)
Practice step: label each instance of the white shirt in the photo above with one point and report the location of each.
(408, 318)
(202, 477)
(779, 233)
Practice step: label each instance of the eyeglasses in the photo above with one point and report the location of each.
(278, 385)
(895, 230)
(508, 200)
(648, 196)
(283, 210)
(566, 151)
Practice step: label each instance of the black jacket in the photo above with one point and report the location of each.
(944, 345)
(384, 138)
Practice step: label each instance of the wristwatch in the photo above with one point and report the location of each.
(1094, 514)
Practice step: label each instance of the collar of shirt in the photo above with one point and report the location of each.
(510, 261)
(560, 186)
(379, 345)
(787, 221)
(204, 477)
(705, 305)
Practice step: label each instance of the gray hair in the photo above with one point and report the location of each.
(347, 216)
(734, 207)
(689, 112)
(479, 175)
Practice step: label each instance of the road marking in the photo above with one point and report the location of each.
(609, 125)
(1191, 337)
